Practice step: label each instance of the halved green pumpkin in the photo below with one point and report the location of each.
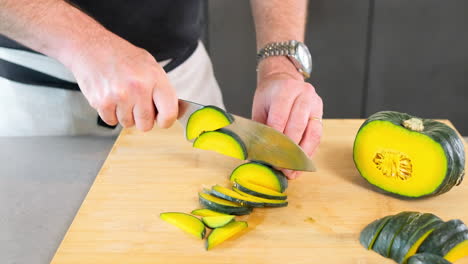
(208, 118)
(221, 234)
(266, 202)
(427, 258)
(408, 156)
(370, 233)
(261, 174)
(248, 187)
(384, 241)
(206, 212)
(186, 222)
(455, 248)
(222, 141)
(435, 241)
(217, 221)
(221, 205)
(407, 242)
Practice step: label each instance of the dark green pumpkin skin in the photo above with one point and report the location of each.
(427, 258)
(261, 195)
(437, 239)
(442, 134)
(371, 231)
(384, 241)
(224, 208)
(411, 233)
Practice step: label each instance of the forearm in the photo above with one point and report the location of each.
(275, 21)
(52, 27)
(279, 20)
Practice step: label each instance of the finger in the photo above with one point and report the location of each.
(144, 115)
(259, 111)
(125, 115)
(313, 133)
(108, 115)
(280, 110)
(166, 102)
(299, 117)
(289, 173)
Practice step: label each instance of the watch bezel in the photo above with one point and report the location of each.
(300, 65)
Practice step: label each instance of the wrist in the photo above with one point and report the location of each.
(277, 67)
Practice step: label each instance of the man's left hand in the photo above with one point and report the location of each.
(284, 101)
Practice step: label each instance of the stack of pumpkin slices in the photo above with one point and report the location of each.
(253, 185)
(417, 238)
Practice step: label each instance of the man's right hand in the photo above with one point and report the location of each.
(124, 84)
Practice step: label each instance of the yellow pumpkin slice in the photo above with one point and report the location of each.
(221, 234)
(222, 141)
(208, 118)
(186, 222)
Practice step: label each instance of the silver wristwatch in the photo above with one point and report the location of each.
(296, 51)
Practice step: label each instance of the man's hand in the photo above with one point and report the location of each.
(125, 84)
(284, 101)
(122, 82)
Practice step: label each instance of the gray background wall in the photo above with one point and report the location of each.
(368, 55)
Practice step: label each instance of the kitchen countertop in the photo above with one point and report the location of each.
(43, 181)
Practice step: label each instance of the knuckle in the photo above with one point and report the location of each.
(126, 122)
(106, 104)
(146, 114)
(277, 121)
(145, 126)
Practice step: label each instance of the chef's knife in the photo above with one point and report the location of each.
(263, 143)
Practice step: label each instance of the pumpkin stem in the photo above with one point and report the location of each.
(414, 124)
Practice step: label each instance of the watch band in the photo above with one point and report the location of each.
(284, 48)
(294, 50)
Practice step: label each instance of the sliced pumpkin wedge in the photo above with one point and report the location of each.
(217, 221)
(186, 222)
(208, 118)
(456, 247)
(260, 174)
(221, 234)
(206, 212)
(222, 141)
(370, 233)
(427, 258)
(248, 187)
(441, 235)
(266, 202)
(384, 241)
(221, 205)
(407, 242)
(230, 195)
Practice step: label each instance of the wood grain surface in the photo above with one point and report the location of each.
(146, 174)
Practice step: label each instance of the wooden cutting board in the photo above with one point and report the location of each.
(146, 174)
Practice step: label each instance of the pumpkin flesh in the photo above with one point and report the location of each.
(398, 160)
(186, 222)
(262, 175)
(222, 141)
(221, 234)
(208, 118)
(217, 221)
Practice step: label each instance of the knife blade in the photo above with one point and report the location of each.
(262, 142)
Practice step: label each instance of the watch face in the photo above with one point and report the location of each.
(303, 55)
